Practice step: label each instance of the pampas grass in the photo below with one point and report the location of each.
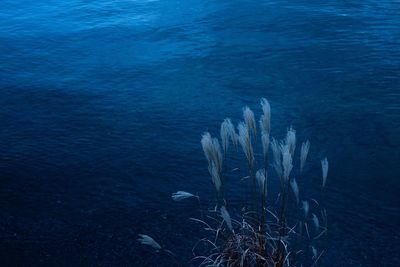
(215, 176)
(212, 151)
(316, 222)
(273, 235)
(265, 126)
(291, 140)
(324, 165)
(306, 208)
(228, 133)
(276, 152)
(181, 195)
(265, 120)
(265, 144)
(261, 178)
(287, 164)
(245, 142)
(305, 147)
(249, 120)
(227, 218)
(295, 189)
(147, 240)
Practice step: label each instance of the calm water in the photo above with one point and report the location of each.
(103, 104)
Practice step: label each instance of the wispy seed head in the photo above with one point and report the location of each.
(306, 208)
(316, 222)
(261, 179)
(249, 120)
(181, 195)
(291, 140)
(265, 144)
(287, 163)
(215, 176)
(206, 143)
(276, 153)
(265, 121)
(325, 165)
(227, 218)
(305, 147)
(295, 189)
(212, 151)
(147, 240)
(245, 141)
(228, 132)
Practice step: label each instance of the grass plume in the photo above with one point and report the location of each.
(212, 151)
(324, 165)
(245, 142)
(249, 120)
(149, 241)
(265, 120)
(228, 133)
(305, 147)
(227, 218)
(277, 235)
(181, 195)
(295, 189)
(277, 156)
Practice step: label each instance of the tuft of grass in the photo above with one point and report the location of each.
(269, 233)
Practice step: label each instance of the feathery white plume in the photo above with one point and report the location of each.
(265, 144)
(245, 141)
(316, 222)
(228, 132)
(306, 208)
(212, 150)
(291, 140)
(314, 252)
(261, 179)
(147, 240)
(206, 143)
(227, 218)
(276, 152)
(265, 120)
(181, 195)
(213, 169)
(249, 120)
(295, 189)
(217, 154)
(325, 165)
(305, 147)
(287, 163)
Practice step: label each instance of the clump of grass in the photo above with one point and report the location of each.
(266, 233)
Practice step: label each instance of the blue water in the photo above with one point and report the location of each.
(103, 104)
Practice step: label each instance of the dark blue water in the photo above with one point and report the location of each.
(103, 104)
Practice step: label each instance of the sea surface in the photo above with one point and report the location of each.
(103, 104)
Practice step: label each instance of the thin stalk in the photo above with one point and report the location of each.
(224, 168)
(253, 180)
(263, 207)
(200, 207)
(282, 221)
